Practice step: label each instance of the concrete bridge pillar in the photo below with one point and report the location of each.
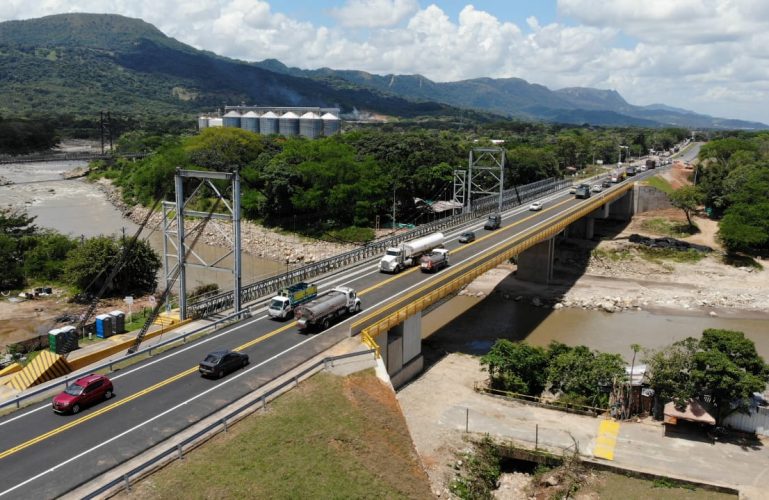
(536, 263)
(401, 350)
(623, 207)
(584, 228)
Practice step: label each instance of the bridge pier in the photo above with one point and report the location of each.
(623, 207)
(582, 229)
(536, 263)
(401, 350)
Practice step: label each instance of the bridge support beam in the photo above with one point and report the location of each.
(582, 229)
(623, 207)
(536, 263)
(401, 350)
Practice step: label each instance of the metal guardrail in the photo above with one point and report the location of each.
(109, 364)
(510, 198)
(68, 157)
(484, 388)
(220, 424)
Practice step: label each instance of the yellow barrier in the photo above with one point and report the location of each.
(120, 343)
(10, 369)
(532, 237)
(45, 366)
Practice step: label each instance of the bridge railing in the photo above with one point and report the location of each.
(511, 198)
(74, 156)
(220, 425)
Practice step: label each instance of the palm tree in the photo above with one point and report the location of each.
(636, 348)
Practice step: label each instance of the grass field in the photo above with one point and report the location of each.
(660, 184)
(611, 486)
(331, 437)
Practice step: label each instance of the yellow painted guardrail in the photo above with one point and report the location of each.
(478, 265)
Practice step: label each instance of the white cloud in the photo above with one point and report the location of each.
(708, 55)
(374, 13)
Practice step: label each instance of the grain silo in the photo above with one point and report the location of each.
(310, 125)
(232, 119)
(214, 122)
(289, 124)
(250, 122)
(202, 122)
(268, 123)
(331, 124)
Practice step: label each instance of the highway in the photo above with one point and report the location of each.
(44, 455)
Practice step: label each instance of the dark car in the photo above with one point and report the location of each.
(467, 237)
(220, 363)
(83, 392)
(606, 183)
(493, 222)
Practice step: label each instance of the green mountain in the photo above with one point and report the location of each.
(515, 97)
(81, 64)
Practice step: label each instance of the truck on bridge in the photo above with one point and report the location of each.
(407, 254)
(618, 175)
(327, 308)
(583, 191)
(288, 298)
(435, 261)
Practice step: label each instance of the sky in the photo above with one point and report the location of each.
(708, 56)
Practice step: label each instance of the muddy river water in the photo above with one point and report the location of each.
(78, 208)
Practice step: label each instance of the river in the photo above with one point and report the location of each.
(449, 329)
(77, 208)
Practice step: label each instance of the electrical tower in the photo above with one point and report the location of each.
(105, 129)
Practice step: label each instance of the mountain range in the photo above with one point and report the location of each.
(81, 64)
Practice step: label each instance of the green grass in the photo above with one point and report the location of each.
(667, 227)
(620, 487)
(661, 184)
(331, 437)
(614, 255)
(740, 260)
(669, 254)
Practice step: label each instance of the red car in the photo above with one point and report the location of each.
(83, 392)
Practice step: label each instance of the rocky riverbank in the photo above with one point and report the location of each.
(256, 240)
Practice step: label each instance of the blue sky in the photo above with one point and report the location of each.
(708, 56)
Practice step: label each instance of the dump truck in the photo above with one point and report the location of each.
(651, 164)
(435, 260)
(407, 254)
(493, 222)
(327, 308)
(583, 191)
(618, 175)
(283, 304)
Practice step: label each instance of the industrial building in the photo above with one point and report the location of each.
(286, 121)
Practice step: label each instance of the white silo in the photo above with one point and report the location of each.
(310, 125)
(331, 124)
(268, 123)
(232, 119)
(250, 122)
(215, 122)
(289, 124)
(202, 122)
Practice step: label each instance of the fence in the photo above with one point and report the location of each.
(592, 411)
(511, 198)
(220, 425)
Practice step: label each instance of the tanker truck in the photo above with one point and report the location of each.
(435, 260)
(288, 298)
(327, 308)
(408, 253)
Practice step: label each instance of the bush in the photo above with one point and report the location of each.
(351, 234)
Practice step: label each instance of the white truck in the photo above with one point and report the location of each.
(435, 260)
(326, 308)
(283, 304)
(408, 253)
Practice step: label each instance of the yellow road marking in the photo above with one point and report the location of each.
(606, 440)
(455, 271)
(250, 343)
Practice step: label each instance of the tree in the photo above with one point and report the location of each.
(728, 369)
(516, 367)
(89, 264)
(688, 199)
(669, 371)
(15, 227)
(584, 375)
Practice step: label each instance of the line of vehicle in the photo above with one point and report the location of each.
(173, 378)
(155, 417)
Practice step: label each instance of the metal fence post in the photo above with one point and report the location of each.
(467, 419)
(179, 449)
(536, 437)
